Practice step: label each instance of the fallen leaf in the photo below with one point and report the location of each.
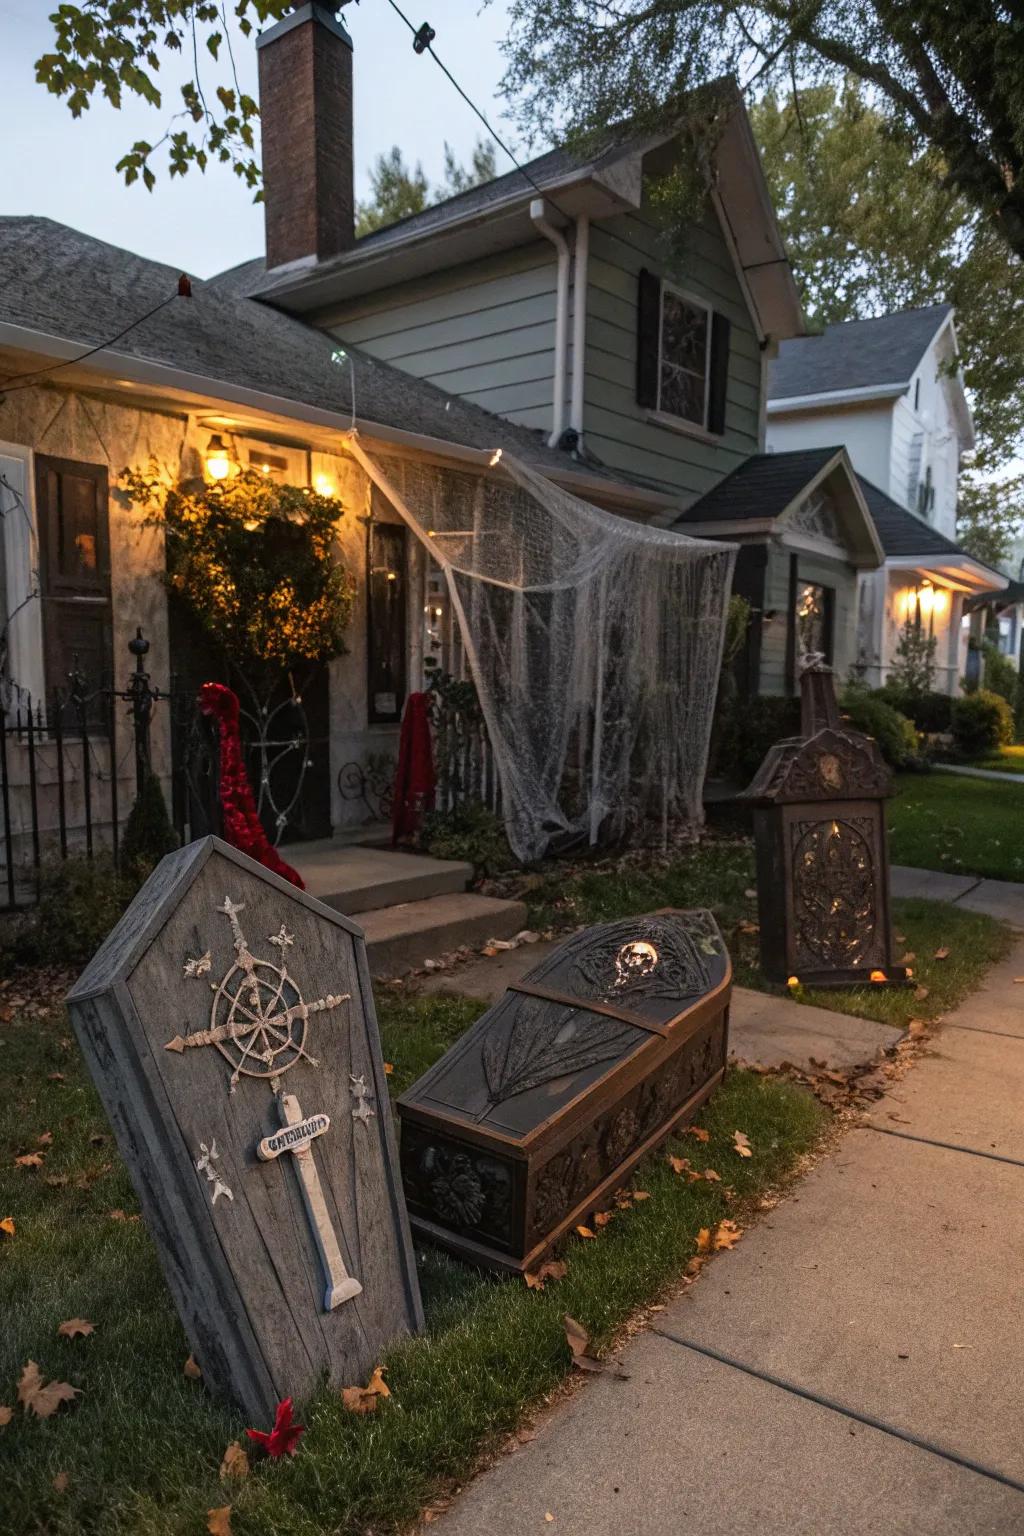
(45, 1139)
(553, 1269)
(698, 1132)
(601, 1218)
(917, 1027)
(55, 1077)
(7, 1226)
(60, 1482)
(585, 1232)
(118, 1215)
(1017, 980)
(365, 1399)
(6, 1414)
(218, 1521)
(741, 1143)
(57, 1180)
(283, 1439)
(678, 1164)
(577, 1338)
(941, 954)
(30, 1160)
(641, 1194)
(920, 994)
(235, 1463)
(388, 1068)
(704, 1240)
(191, 1369)
(727, 1235)
(548, 1517)
(76, 1327)
(907, 959)
(900, 938)
(712, 1176)
(41, 1397)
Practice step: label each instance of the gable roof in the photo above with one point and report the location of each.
(905, 536)
(856, 354)
(58, 285)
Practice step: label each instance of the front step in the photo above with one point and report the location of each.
(399, 939)
(360, 879)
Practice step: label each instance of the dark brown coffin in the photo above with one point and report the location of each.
(545, 1106)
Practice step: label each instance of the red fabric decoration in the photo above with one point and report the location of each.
(242, 826)
(414, 776)
(284, 1437)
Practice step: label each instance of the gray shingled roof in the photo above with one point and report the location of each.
(856, 354)
(762, 487)
(56, 280)
(902, 534)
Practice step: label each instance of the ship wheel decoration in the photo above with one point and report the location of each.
(258, 1017)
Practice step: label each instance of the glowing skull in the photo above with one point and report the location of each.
(634, 961)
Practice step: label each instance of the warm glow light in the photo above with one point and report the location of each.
(792, 981)
(324, 485)
(878, 976)
(218, 459)
(496, 456)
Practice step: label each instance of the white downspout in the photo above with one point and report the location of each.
(579, 325)
(538, 213)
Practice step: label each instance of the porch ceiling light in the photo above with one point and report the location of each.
(218, 458)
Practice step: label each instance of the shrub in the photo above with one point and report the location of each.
(470, 832)
(80, 901)
(999, 675)
(982, 722)
(894, 733)
(148, 833)
(749, 728)
(930, 712)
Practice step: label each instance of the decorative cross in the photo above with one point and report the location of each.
(296, 1136)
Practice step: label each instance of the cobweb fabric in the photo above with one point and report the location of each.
(594, 644)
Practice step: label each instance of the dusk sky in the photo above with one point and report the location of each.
(63, 168)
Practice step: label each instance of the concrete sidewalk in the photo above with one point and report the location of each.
(1003, 899)
(855, 1366)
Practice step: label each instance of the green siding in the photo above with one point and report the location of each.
(617, 429)
(842, 578)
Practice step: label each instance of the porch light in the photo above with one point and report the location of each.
(218, 458)
(324, 485)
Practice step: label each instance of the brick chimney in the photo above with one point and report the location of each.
(305, 64)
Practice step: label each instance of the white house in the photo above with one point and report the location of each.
(891, 392)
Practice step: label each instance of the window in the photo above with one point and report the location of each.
(74, 551)
(385, 634)
(814, 619)
(682, 356)
(926, 494)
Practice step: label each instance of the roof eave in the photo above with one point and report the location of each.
(826, 400)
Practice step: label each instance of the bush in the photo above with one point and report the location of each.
(999, 675)
(982, 722)
(749, 728)
(80, 901)
(148, 833)
(894, 733)
(930, 712)
(470, 832)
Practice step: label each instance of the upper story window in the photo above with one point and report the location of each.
(682, 357)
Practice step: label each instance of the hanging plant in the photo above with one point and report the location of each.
(256, 564)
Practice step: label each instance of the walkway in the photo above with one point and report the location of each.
(1003, 899)
(855, 1366)
(979, 773)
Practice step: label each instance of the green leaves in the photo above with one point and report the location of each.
(112, 49)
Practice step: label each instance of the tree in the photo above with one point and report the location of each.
(990, 517)
(398, 191)
(872, 225)
(949, 71)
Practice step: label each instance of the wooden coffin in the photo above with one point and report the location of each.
(544, 1107)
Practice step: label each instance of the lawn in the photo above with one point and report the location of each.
(957, 824)
(1006, 760)
(719, 874)
(138, 1453)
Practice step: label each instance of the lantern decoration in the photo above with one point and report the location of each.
(820, 840)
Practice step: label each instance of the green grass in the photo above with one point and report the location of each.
(961, 825)
(719, 874)
(141, 1447)
(1006, 760)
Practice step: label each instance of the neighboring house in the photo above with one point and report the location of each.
(891, 392)
(553, 325)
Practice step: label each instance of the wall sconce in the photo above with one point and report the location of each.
(324, 486)
(219, 460)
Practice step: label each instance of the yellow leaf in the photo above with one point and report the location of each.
(218, 1521)
(602, 1218)
(235, 1463)
(30, 1160)
(45, 1139)
(742, 1144)
(76, 1327)
(6, 1414)
(941, 954)
(548, 1517)
(704, 1240)
(727, 1235)
(191, 1369)
(698, 1132)
(641, 1194)
(41, 1397)
(585, 1232)
(917, 1027)
(388, 1068)
(365, 1399)
(678, 1164)
(7, 1225)
(712, 1176)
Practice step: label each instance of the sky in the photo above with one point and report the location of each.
(63, 168)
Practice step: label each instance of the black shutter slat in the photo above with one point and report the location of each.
(718, 383)
(648, 339)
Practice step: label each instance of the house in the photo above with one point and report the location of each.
(521, 381)
(891, 392)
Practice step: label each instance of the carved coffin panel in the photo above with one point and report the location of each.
(564, 1083)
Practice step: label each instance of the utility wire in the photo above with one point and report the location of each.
(17, 381)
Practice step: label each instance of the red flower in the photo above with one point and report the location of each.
(284, 1437)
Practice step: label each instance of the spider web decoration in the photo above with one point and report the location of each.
(548, 1041)
(594, 644)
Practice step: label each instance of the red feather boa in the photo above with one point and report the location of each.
(242, 826)
(414, 775)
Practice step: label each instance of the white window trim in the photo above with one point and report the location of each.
(669, 418)
(22, 577)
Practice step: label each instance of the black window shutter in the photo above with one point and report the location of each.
(718, 383)
(648, 340)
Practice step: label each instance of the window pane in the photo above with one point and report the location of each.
(682, 393)
(386, 650)
(684, 334)
(812, 619)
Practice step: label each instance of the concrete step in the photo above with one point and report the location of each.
(359, 879)
(398, 939)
